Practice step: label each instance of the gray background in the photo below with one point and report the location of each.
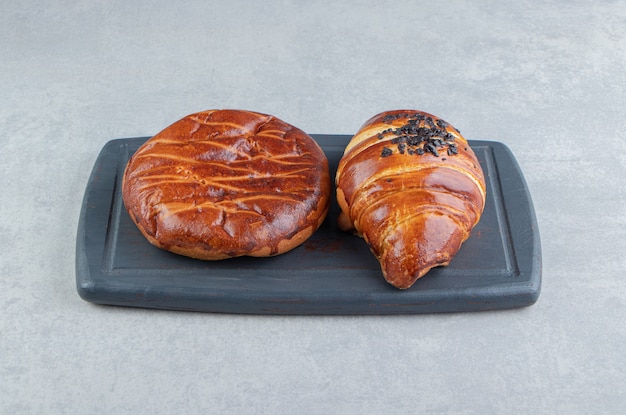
(546, 78)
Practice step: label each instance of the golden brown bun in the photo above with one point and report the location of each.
(225, 183)
(411, 186)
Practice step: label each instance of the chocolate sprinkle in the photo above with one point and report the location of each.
(420, 134)
(430, 148)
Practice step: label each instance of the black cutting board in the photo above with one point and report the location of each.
(498, 267)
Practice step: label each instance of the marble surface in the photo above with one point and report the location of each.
(548, 79)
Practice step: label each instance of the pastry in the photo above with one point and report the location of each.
(412, 187)
(226, 183)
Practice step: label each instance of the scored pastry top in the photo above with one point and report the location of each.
(224, 183)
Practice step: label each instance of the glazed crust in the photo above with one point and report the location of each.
(412, 187)
(226, 183)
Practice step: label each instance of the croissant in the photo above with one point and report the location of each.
(411, 186)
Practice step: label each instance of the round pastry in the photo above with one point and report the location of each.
(226, 183)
